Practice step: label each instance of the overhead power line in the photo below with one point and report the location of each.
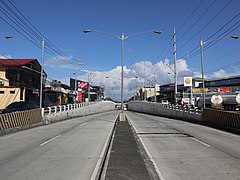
(189, 40)
(19, 22)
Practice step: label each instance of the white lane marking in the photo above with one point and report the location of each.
(49, 140)
(205, 144)
(160, 175)
(148, 153)
(99, 162)
(162, 124)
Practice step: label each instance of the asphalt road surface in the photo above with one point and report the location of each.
(66, 150)
(186, 151)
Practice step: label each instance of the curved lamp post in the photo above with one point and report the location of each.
(202, 63)
(42, 44)
(122, 38)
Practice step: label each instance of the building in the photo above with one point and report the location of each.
(226, 85)
(167, 91)
(148, 92)
(81, 91)
(19, 80)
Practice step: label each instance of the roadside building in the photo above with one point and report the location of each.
(225, 85)
(19, 80)
(81, 91)
(148, 92)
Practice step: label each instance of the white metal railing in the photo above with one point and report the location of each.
(191, 109)
(62, 108)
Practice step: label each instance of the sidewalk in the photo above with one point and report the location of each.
(125, 160)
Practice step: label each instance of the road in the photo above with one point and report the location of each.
(182, 150)
(71, 149)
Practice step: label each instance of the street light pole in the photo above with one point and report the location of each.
(122, 38)
(41, 72)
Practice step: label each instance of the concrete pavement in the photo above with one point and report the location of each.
(182, 150)
(69, 149)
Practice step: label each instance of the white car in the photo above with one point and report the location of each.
(164, 102)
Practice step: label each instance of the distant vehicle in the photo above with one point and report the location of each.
(229, 102)
(164, 102)
(20, 106)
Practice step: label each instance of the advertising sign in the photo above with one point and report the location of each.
(187, 81)
(82, 85)
(216, 99)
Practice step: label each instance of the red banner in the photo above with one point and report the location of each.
(80, 96)
(82, 85)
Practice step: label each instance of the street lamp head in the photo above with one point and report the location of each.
(8, 37)
(235, 37)
(157, 32)
(87, 31)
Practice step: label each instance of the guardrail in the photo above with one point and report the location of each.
(189, 109)
(218, 118)
(168, 110)
(222, 118)
(11, 122)
(58, 113)
(17, 119)
(68, 107)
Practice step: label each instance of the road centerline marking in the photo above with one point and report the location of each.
(50, 140)
(205, 144)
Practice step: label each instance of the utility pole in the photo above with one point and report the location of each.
(144, 84)
(155, 97)
(175, 59)
(79, 64)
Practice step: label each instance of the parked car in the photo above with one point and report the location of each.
(165, 102)
(20, 106)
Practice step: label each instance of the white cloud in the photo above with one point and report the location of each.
(144, 71)
(5, 57)
(218, 74)
(59, 62)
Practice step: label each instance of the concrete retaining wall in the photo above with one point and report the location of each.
(12, 122)
(159, 109)
(102, 106)
(227, 120)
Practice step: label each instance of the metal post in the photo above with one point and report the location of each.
(41, 85)
(76, 90)
(155, 97)
(175, 59)
(122, 38)
(88, 87)
(202, 64)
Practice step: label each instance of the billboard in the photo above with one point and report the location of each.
(187, 81)
(80, 84)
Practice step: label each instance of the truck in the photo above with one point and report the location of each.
(230, 102)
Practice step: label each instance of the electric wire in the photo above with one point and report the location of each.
(195, 51)
(29, 31)
(200, 17)
(189, 40)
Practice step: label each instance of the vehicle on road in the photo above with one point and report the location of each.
(164, 102)
(229, 102)
(20, 106)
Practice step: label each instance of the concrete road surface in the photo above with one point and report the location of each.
(66, 150)
(186, 151)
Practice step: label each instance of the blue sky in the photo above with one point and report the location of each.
(62, 22)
